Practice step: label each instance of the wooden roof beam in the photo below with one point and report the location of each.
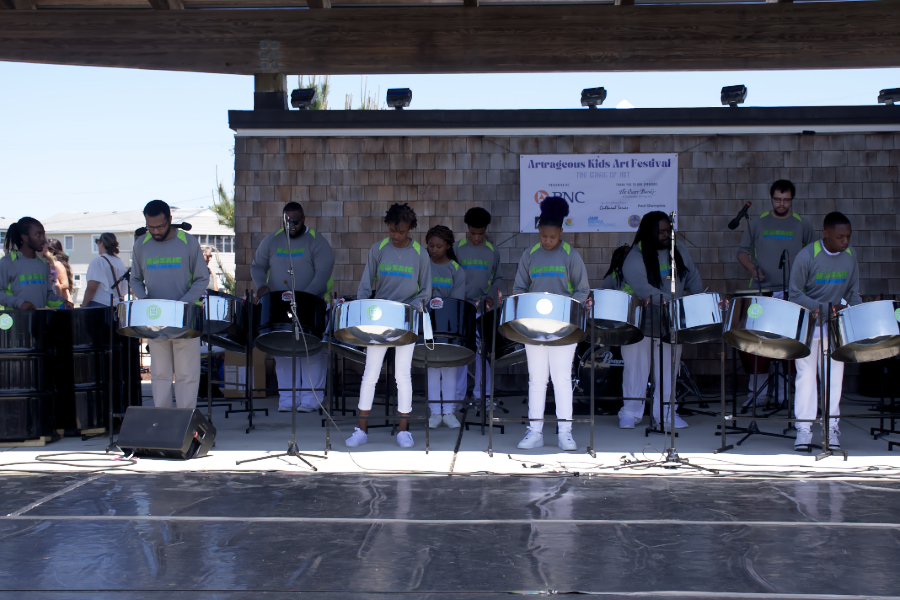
(167, 4)
(319, 3)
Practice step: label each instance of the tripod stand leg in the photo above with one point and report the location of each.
(724, 447)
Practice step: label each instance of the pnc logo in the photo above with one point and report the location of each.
(540, 196)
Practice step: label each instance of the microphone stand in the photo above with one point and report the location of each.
(292, 449)
(112, 447)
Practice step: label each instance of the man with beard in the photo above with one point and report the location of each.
(167, 264)
(762, 245)
(313, 264)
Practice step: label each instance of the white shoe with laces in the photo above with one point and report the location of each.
(435, 420)
(803, 440)
(566, 441)
(358, 438)
(626, 423)
(451, 421)
(532, 439)
(405, 439)
(833, 441)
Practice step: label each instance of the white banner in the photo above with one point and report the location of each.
(606, 192)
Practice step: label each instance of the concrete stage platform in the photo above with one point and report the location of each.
(391, 523)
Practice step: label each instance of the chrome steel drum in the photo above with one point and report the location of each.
(769, 327)
(453, 325)
(225, 320)
(159, 319)
(376, 323)
(866, 332)
(698, 319)
(508, 352)
(355, 353)
(754, 292)
(275, 328)
(542, 319)
(617, 318)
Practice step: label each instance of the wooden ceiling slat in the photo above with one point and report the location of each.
(459, 40)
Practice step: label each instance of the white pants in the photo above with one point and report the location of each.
(442, 384)
(545, 363)
(178, 358)
(462, 382)
(402, 374)
(806, 398)
(309, 375)
(637, 371)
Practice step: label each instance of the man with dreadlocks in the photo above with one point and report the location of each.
(648, 275)
(25, 281)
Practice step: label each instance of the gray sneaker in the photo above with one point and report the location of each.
(803, 441)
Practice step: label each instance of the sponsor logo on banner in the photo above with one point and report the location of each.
(634, 221)
(568, 222)
(598, 222)
(540, 195)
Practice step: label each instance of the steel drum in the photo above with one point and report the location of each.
(376, 323)
(275, 328)
(752, 292)
(769, 327)
(698, 318)
(159, 319)
(542, 319)
(617, 318)
(866, 332)
(453, 325)
(225, 320)
(508, 352)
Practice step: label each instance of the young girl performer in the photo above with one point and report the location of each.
(448, 280)
(551, 266)
(401, 272)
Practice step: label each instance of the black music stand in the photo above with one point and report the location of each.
(112, 447)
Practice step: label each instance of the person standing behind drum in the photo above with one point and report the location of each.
(648, 275)
(167, 264)
(103, 271)
(614, 279)
(401, 272)
(824, 272)
(448, 280)
(25, 282)
(764, 241)
(551, 266)
(313, 261)
(481, 261)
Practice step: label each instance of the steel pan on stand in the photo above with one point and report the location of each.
(376, 323)
(225, 320)
(698, 318)
(542, 319)
(866, 332)
(453, 325)
(159, 319)
(507, 351)
(617, 318)
(275, 329)
(769, 327)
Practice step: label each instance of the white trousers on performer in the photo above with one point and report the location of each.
(637, 372)
(462, 382)
(442, 384)
(179, 359)
(806, 398)
(546, 363)
(402, 375)
(309, 375)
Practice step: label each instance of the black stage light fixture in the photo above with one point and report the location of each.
(399, 98)
(889, 97)
(732, 95)
(304, 98)
(593, 97)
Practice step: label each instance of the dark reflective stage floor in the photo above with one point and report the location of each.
(276, 535)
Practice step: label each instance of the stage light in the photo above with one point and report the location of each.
(399, 98)
(592, 97)
(304, 98)
(889, 97)
(732, 95)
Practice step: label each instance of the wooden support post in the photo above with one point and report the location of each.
(270, 91)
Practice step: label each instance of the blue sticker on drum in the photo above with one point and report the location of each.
(6, 321)
(896, 316)
(754, 311)
(374, 313)
(154, 311)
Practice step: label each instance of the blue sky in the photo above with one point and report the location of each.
(90, 139)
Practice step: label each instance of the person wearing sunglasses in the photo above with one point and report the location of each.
(313, 261)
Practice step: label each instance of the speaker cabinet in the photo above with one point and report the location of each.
(180, 433)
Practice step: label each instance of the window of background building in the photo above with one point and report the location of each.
(94, 239)
(69, 243)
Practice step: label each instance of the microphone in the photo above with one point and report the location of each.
(737, 220)
(185, 226)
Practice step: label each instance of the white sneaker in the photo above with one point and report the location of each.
(435, 420)
(358, 438)
(803, 441)
(833, 441)
(532, 439)
(626, 423)
(404, 439)
(307, 409)
(566, 441)
(679, 422)
(451, 421)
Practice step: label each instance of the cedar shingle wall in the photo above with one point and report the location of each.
(347, 184)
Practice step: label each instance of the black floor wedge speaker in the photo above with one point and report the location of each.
(180, 433)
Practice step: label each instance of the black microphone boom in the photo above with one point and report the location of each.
(735, 222)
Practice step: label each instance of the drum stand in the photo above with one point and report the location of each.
(483, 412)
(656, 425)
(250, 376)
(825, 389)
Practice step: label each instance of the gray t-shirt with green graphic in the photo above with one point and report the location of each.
(818, 278)
(560, 272)
(767, 237)
(448, 281)
(402, 275)
(26, 280)
(313, 262)
(170, 270)
(482, 266)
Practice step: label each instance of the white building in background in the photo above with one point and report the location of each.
(78, 231)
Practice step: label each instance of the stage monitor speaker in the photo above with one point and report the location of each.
(166, 432)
